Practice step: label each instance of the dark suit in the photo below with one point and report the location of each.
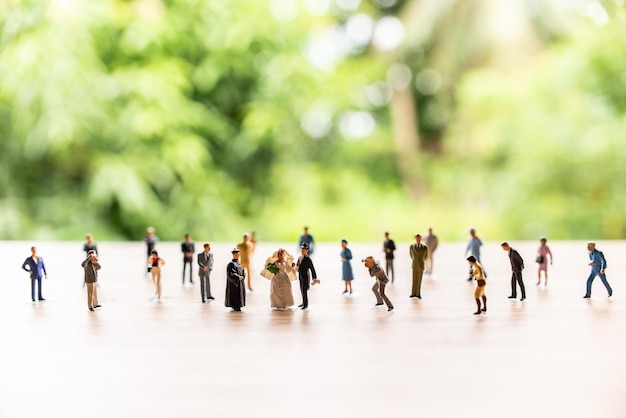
(187, 248)
(150, 243)
(205, 260)
(304, 265)
(389, 246)
(517, 265)
(37, 271)
(235, 288)
(90, 247)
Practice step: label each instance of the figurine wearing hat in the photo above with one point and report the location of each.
(304, 266)
(235, 289)
(381, 281)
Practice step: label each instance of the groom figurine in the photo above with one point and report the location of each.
(303, 266)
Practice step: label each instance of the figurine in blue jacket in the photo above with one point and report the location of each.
(598, 265)
(37, 269)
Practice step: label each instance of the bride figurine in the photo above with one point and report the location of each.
(280, 270)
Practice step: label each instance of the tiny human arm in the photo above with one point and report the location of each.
(518, 261)
(306, 265)
(43, 267)
(27, 264)
(199, 260)
(602, 262)
(232, 273)
(313, 273)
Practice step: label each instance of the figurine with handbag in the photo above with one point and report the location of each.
(479, 293)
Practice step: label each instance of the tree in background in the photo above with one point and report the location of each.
(215, 117)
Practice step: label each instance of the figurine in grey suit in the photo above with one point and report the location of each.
(205, 261)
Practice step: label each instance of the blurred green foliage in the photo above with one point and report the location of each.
(211, 117)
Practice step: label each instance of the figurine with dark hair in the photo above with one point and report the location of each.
(346, 268)
(88, 246)
(235, 288)
(37, 269)
(91, 267)
(389, 247)
(155, 264)
(517, 265)
(306, 273)
(205, 261)
(381, 281)
(188, 248)
(418, 253)
(479, 275)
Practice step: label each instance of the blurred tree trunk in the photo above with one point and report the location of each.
(452, 38)
(407, 140)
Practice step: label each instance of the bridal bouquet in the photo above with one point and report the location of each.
(271, 267)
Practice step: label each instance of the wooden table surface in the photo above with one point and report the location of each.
(552, 355)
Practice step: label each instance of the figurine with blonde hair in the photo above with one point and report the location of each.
(381, 281)
(150, 239)
(89, 245)
(246, 248)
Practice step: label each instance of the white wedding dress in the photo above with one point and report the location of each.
(281, 296)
